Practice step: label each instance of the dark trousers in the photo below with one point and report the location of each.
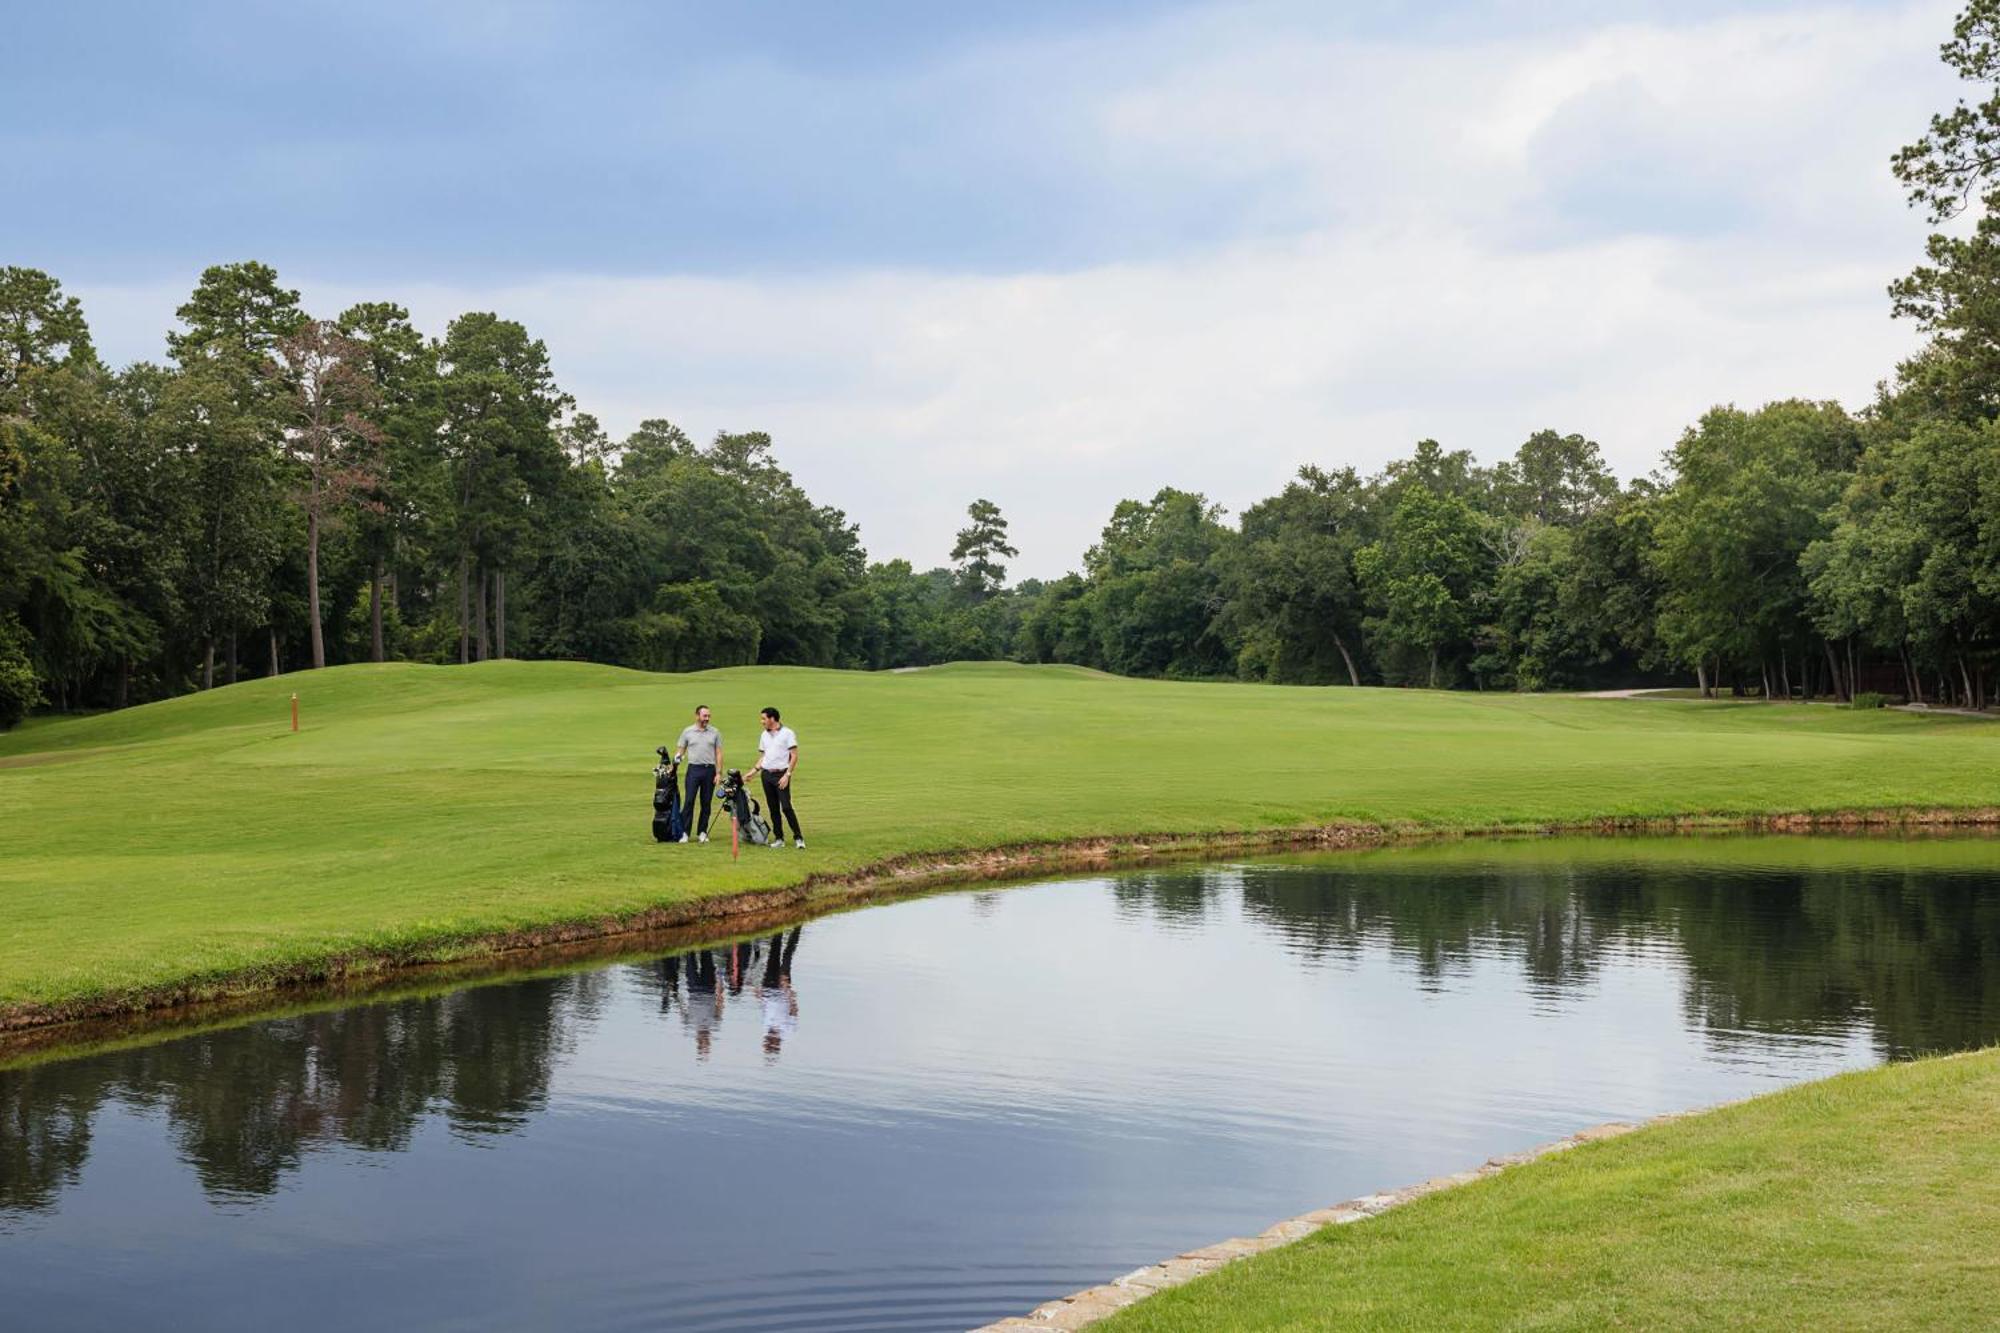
(778, 800)
(700, 778)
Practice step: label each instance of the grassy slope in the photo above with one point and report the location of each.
(198, 836)
(1871, 1200)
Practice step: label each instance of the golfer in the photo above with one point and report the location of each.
(701, 746)
(778, 751)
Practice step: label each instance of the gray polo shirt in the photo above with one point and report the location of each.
(700, 743)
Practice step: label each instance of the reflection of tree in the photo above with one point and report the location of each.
(245, 1105)
(1170, 898)
(1915, 956)
(500, 1065)
(1439, 923)
(45, 1115)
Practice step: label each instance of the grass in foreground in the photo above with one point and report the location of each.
(197, 838)
(1871, 1200)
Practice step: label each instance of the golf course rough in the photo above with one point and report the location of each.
(198, 846)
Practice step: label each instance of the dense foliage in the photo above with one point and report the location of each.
(287, 491)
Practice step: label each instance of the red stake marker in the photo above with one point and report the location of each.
(732, 837)
(295, 712)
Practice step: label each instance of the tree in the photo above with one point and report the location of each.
(651, 449)
(900, 625)
(20, 547)
(40, 329)
(1055, 624)
(42, 337)
(1553, 479)
(1751, 493)
(731, 518)
(331, 438)
(980, 546)
(233, 489)
(20, 689)
(1609, 593)
(499, 407)
(1949, 170)
(1908, 566)
(78, 548)
(1155, 587)
(229, 408)
(690, 628)
(584, 442)
(405, 491)
(1423, 578)
(1553, 618)
(1454, 473)
(1293, 602)
(237, 311)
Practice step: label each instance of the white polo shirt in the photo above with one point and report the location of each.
(776, 748)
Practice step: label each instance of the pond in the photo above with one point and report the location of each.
(947, 1110)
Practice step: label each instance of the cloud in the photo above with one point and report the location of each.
(1603, 229)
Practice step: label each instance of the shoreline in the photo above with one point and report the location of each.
(462, 957)
(1081, 1309)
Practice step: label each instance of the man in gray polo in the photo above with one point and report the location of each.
(701, 746)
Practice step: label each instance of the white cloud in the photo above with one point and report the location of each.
(1604, 231)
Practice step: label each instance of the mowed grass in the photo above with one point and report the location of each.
(1867, 1201)
(193, 839)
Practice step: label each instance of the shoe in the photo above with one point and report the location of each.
(684, 837)
(799, 843)
(777, 844)
(703, 838)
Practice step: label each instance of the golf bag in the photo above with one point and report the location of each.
(667, 823)
(743, 808)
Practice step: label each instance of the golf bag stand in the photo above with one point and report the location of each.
(743, 808)
(667, 825)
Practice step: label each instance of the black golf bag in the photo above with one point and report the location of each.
(667, 824)
(743, 808)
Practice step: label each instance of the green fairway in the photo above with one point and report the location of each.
(196, 838)
(1868, 1201)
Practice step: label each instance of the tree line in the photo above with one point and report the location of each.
(287, 490)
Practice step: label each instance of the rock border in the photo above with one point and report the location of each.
(1080, 1309)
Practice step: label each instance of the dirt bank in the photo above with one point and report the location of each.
(25, 1026)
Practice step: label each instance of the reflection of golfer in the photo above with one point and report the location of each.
(701, 746)
(779, 749)
(701, 1013)
(781, 1002)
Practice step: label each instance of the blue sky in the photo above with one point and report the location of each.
(1052, 253)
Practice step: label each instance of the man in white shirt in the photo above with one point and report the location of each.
(778, 751)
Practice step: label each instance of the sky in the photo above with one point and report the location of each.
(1055, 253)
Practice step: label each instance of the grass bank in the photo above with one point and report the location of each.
(198, 845)
(1867, 1201)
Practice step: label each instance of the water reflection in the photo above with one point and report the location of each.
(1911, 956)
(702, 984)
(244, 1105)
(1206, 1036)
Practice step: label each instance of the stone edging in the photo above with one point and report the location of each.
(1082, 1308)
